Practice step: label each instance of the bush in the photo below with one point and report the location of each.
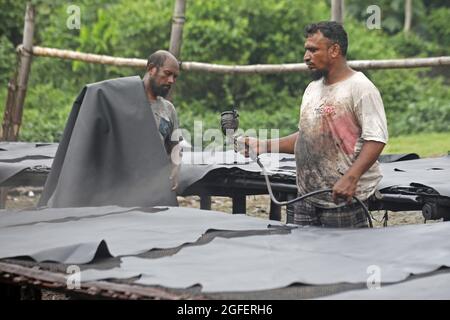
(45, 113)
(226, 32)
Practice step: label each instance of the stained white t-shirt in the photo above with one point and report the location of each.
(335, 120)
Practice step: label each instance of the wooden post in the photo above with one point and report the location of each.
(16, 109)
(205, 202)
(176, 36)
(408, 15)
(337, 11)
(9, 107)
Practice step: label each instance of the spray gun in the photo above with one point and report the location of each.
(229, 121)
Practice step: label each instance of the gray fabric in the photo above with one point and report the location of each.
(436, 287)
(8, 170)
(71, 236)
(196, 165)
(28, 217)
(111, 152)
(16, 157)
(17, 151)
(431, 172)
(308, 255)
(385, 158)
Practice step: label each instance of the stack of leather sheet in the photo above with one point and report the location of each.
(15, 157)
(232, 256)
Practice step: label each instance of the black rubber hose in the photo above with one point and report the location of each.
(285, 203)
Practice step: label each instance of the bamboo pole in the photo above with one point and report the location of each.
(240, 69)
(12, 126)
(337, 11)
(87, 57)
(9, 107)
(408, 15)
(176, 35)
(301, 67)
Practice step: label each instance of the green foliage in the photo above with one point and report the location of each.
(11, 16)
(411, 45)
(228, 32)
(7, 60)
(438, 29)
(392, 13)
(413, 103)
(47, 109)
(424, 144)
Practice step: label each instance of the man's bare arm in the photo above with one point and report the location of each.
(285, 144)
(346, 186)
(281, 145)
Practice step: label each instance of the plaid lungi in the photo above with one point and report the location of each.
(349, 216)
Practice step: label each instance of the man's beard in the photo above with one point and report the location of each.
(318, 74)
(159, 90)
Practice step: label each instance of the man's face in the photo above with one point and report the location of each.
(318, 55)
(161, 79)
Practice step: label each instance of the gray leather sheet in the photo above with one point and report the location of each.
(18, 156)
(436, 287)
(313, 256)
(9, 218)
(111, 152)
(16, 151)
(196, 165)
(72, 236)
(9, 170)
(431, 172)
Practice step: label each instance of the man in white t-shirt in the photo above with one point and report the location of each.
(342, 131)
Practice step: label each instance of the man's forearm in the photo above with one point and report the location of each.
(370, 152)
(281, 145)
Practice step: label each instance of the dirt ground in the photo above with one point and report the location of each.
(257, 206)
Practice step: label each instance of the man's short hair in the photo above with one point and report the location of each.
(159, 57)
(332, 30)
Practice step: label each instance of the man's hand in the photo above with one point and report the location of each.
(345, 188)
(248, 146)
(174, 176)
(175, 156)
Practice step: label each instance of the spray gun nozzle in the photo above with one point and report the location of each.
(229, 122)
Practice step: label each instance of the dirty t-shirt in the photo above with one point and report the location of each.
(335, 120)
(166, 122)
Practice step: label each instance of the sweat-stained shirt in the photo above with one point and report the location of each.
(335, 120)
